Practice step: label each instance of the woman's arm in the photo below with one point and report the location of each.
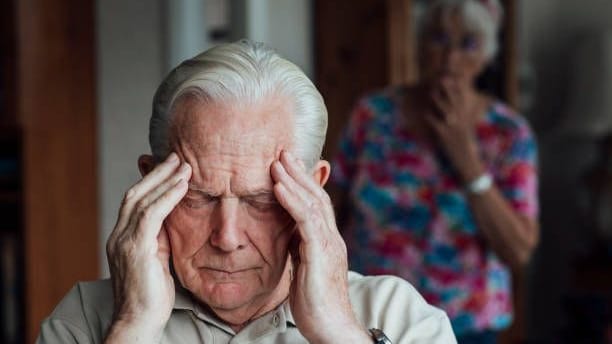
(511, 235)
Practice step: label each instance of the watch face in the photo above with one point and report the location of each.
(379, 336)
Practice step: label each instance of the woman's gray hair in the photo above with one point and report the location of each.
(482, 16)
(244, 72)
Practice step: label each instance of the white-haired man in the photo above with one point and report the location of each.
(230, 237)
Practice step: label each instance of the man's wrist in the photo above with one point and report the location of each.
(378, 336)
(353, 337)
(345, 334)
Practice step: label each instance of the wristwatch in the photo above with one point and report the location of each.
(480, 185)
(379, 336)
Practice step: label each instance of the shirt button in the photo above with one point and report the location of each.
(275, 320)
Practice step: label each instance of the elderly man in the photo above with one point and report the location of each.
(230, 237)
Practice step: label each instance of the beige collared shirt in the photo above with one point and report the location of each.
(383, 302)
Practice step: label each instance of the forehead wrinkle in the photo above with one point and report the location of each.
(247, 144)
(232, 144)
(234, 173)
(210, 139)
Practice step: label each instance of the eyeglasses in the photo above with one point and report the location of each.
(468, 43)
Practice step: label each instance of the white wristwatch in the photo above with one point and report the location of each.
(479, 185)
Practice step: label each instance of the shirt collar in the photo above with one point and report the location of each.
(286, 308)
(184, 300)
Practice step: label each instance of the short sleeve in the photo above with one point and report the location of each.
(517, 175)
(61, 331)
(393, 305)
(83, 315)
(67, 323)
(352, 139)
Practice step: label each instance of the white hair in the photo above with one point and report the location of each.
(243, 72)
(482, 16)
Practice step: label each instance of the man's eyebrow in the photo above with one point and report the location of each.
(250, 194)
(201, 190)
(258, 194)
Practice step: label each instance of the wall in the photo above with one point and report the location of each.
(551, 32)
(130, 65)
(286, 26)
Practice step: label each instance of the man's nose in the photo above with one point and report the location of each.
(228, 235)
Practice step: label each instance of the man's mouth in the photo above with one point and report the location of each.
(226, 273)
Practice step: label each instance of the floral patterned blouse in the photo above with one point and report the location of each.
(408, 214)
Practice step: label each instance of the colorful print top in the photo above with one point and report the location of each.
(409, 216)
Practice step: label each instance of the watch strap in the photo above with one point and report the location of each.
(379, 336)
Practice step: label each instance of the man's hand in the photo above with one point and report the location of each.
(138, 254)
(319, 291)
(453, 125)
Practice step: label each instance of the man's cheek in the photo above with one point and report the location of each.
(186, 234)
(283, 240)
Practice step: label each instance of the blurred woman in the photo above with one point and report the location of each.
(437, 182)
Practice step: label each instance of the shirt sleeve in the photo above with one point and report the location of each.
(68, 322)
(517, 175)
(393, 305)
(352, 139)
(54, 331)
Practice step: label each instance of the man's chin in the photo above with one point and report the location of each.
(227, 296)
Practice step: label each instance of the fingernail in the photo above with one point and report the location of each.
(289, 155)
(173, 157)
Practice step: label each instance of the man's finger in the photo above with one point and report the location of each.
(298, 192)
(183, 172)
(298, 173)
(297, 208)
(138, 190)
(296, 170)
(156, 213)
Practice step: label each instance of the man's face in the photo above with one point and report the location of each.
(229, 236)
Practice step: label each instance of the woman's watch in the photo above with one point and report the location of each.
(379, 336)
(480, 185)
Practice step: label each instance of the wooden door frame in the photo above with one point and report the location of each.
(56, 110)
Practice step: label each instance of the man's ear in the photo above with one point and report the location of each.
(321, 172)
(146, 163)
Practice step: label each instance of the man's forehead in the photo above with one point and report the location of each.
(221, 165)
(231, 146)
(233, 128)
(253, 144)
